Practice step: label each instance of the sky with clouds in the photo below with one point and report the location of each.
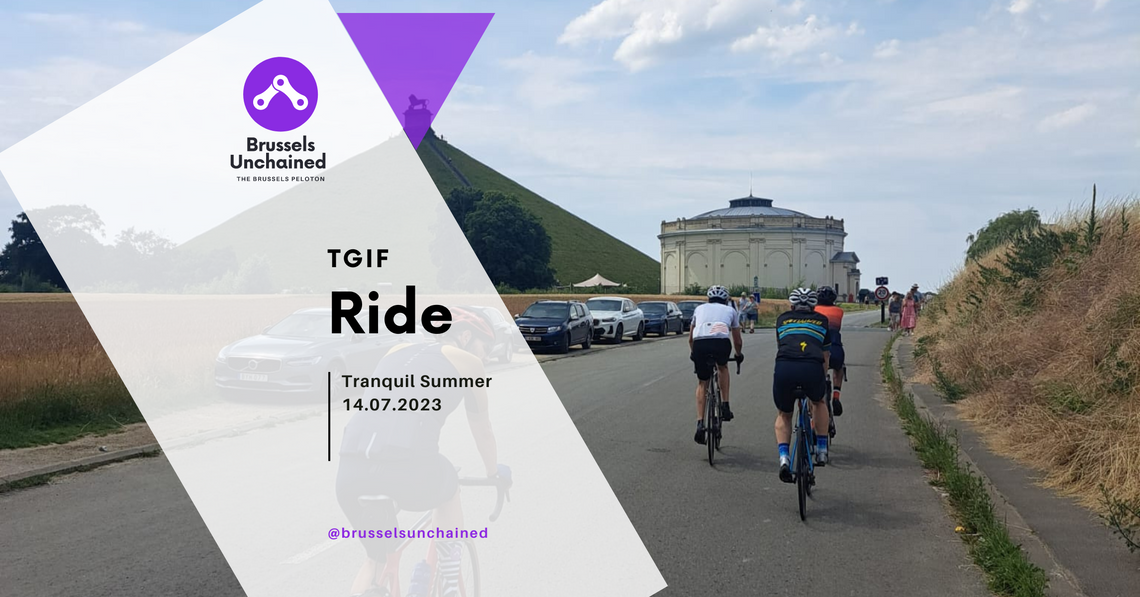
(915, 122)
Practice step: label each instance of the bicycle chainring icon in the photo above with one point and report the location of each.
(292, 81)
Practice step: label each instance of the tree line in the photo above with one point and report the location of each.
(510, 242)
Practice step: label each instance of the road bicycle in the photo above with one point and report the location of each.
(712, 407)
(803, 451)
(389, 583)
(830, 414)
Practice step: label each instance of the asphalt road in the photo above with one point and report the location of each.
(876, 526)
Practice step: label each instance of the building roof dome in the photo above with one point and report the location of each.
(749, 206)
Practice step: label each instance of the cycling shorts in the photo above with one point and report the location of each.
(837, 360)
(719, 349)
(789, 374)
(417, 484)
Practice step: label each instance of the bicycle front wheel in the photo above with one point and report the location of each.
(711, 423)
(468, 573)
(803, 474)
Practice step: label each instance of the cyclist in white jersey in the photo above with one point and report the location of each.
(715, 331)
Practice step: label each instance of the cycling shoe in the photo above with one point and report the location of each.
(725, 412)
(836, 407)
(785, 471)
(699, 436)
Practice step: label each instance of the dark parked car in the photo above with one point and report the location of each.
(687, 308)
(662, 317)
(557, 325)
(504, 347)
(295, 356)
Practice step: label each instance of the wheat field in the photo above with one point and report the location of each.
(46, 341)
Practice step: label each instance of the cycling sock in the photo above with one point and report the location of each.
(835, 393)
(783, 448)
(821, 442)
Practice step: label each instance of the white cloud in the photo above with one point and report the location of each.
(83, 24)
(1018, 7)
(650, 30)
(887, 49)
(784, 42)
(1002, 102)
(550, 81)
(1067, 118)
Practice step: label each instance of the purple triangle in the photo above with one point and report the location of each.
(416, 58)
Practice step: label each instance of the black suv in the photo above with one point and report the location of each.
(557, 325)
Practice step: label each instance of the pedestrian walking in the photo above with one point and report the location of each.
(748, 312)
(909, 316)
(894, 309)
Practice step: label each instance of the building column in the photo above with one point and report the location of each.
(714, 261)
(681, 266)
(756, 252)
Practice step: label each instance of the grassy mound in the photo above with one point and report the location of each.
(580, 249)
(1039, 342)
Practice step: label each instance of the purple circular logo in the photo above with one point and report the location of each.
(280, 94)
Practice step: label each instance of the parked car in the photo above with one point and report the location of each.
(662, 317)
(557, 325)
(615, 318)
(687, 308)
(504, 347)
(295, 356)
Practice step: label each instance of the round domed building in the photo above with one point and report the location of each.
(755, 244)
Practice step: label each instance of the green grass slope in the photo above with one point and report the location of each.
(580, 250)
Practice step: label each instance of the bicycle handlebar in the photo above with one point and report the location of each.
(502, 483)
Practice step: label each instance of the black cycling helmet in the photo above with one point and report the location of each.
(826, 295)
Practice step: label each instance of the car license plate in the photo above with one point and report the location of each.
(532, 339)
(254, 377)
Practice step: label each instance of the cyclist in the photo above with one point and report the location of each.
(395, 452)
(803, 342)
(714, 323)
(834, 315)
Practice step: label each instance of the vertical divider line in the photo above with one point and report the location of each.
(330, 416)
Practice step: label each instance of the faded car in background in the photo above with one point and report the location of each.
(504, 348)
(295, 356)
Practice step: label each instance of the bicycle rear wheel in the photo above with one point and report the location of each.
(803, 468)
(830, 417)
(712, 397)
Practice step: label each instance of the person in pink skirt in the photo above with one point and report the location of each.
(909, 317)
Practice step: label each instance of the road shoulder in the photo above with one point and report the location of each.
(1078, 552)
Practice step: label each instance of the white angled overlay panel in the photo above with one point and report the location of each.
(241, 404)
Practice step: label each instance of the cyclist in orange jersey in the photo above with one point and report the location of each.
(826, 297)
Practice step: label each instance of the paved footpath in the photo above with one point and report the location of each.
(1080, 553)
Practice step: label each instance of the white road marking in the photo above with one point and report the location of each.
(312, 552)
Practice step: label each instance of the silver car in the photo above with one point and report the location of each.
(295, 356)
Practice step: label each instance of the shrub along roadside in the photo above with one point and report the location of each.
(1007, 570)
(58, 414)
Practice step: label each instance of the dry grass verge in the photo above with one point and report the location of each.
(1048, 367)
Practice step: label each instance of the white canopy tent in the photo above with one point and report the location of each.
(597, 280)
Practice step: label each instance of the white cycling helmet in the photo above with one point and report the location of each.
(718, 292)
(803, 297)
